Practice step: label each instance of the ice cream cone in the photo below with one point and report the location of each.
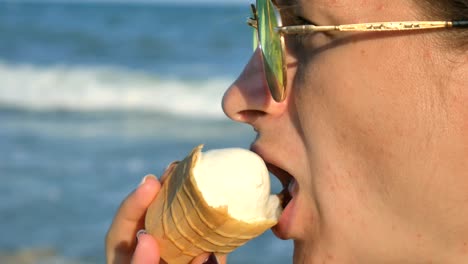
(185, 225)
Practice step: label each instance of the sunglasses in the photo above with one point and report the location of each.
(270, 32)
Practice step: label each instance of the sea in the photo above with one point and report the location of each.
(96, 94)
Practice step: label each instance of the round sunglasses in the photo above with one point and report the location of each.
(269, 37)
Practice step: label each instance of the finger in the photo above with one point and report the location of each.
(120, 240)
(146, 251)
(134, 207)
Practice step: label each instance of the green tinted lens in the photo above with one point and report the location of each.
(270, 43)
(255, 39)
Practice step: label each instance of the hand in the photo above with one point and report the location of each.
(122, 245)
(121, 242)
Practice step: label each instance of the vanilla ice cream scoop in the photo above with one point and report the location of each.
(239, 180)
(212, 202)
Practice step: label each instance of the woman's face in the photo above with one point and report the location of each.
(371, 138)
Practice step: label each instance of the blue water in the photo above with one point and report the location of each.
(93, 96)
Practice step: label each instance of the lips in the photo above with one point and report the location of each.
(283, 228)
(290, 188)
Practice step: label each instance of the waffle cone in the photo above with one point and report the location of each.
(185, 226)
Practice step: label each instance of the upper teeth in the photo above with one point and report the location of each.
(292, 186)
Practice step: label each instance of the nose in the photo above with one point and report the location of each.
(249, 98)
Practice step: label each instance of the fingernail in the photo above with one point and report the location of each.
(145, 178)
(212, 259)
(140, 232)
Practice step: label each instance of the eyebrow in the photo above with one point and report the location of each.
(286, 3)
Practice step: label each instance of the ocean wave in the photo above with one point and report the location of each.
(107, 88)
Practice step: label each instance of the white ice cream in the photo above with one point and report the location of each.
(237, 178)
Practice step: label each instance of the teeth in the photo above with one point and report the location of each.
(286, 194)
(288, 182)
(292, 186)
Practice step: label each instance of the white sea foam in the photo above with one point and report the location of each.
(102, 88)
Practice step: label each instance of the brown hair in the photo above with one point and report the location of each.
(448, 10)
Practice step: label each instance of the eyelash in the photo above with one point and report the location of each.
(299, 20)
(292, 17)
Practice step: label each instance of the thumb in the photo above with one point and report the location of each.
(146, 251)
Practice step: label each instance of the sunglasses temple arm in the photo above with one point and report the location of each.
(460, 23)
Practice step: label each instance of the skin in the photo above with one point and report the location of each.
(375, 133)
(377, 126)
(121, 242)
(122, 245)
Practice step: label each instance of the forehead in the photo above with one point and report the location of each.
(358, 10)
(343, 3)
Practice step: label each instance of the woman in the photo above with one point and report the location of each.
(376, 123)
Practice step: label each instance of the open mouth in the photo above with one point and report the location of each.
(286, 180)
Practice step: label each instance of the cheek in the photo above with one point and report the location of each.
(352, 98)
(366, 112)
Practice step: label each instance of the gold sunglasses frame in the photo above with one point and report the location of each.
(359, 27)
